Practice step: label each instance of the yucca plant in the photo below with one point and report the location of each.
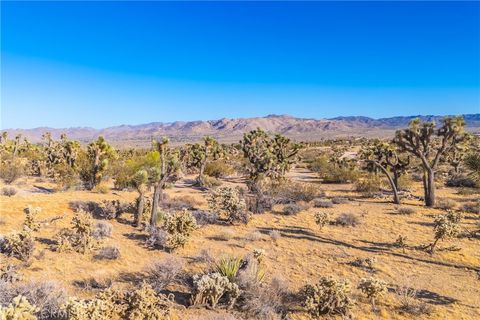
(228, 266)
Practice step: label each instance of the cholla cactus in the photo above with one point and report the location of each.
(174, 232)
(321, 219)
(145, 304)
(401, 242)
(19, 244)
(99, 153)
(446, 226)
(259, 255)
(95, 309)
(227, 202)
(328, 296)
(80, 238)
(30, 218)
(373, 289)
(210, 288)
(9, 273)
(19, 309)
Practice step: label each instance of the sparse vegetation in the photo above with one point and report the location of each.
(328, 296)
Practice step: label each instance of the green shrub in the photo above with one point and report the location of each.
(219, 169)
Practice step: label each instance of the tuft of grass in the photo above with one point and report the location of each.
(347, 220)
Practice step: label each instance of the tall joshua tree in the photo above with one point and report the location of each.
(140, 181)
(267, 158)
(200, 154)
(99, 153)
(429, 146)
(383, 156)
(168, 166)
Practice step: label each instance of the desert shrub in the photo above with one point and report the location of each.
(210, 288)
(211, 182)
(174, 232)
(405, 210)
(163, 272)
(462, 181)
(445, 227)
(321, 219)
(405, 182)
(265, 300)
(291, 209)
(181, 202)
(102, 188)
(322, 203)
(9, 191)
(328, 296)
(408, 302)
(18, 244)
(105, 305)
(10, 273)
(108, 253)
(80, 237)
(111, 209)
(88, 206)
(254, 236)
(11, 170)
(365, 263)
(472, 207)
(47, 296)
(340, 175)
(228, 266)
(291, 191)
(102, 230)
(219, 169)
(339, 200)
(445, 204)
(19, 309)
(368, 185)
(373, 289)
(31, 218)
(275, 235)
(347, 220)
(228, 203)
(204, 217)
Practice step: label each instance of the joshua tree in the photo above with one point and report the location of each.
(200, 154)
(99, 153)
(140, 181)
(169, 164)
(418, 140)
(70, 150)
(383, 156)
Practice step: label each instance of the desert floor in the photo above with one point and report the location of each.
(448, 280)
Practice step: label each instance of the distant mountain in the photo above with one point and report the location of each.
(232, 129)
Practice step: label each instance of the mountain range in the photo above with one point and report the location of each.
(229, 130)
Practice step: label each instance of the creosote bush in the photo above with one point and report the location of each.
(102, 230)
(163, 272)
(328, 296)
(322, 203)
(446, 204)
(347, 220)
(228, 203)
(9, 191)
(108, 253)
(405, 210)
(365, 263)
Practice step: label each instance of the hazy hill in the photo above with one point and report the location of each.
(232, 129)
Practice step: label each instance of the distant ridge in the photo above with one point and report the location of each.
(232, 129)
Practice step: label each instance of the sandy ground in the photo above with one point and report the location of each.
(447, 280)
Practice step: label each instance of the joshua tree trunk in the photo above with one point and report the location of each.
(140, 207)
(201, 180)
(396, 199)
(157, 195)
(430, 188)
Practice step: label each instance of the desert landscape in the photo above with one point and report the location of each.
(239, 160)
(267, 228)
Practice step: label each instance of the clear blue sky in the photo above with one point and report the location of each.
(110, 63)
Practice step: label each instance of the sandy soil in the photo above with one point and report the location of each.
(446, 280)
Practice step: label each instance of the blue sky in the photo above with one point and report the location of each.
(109, 63)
